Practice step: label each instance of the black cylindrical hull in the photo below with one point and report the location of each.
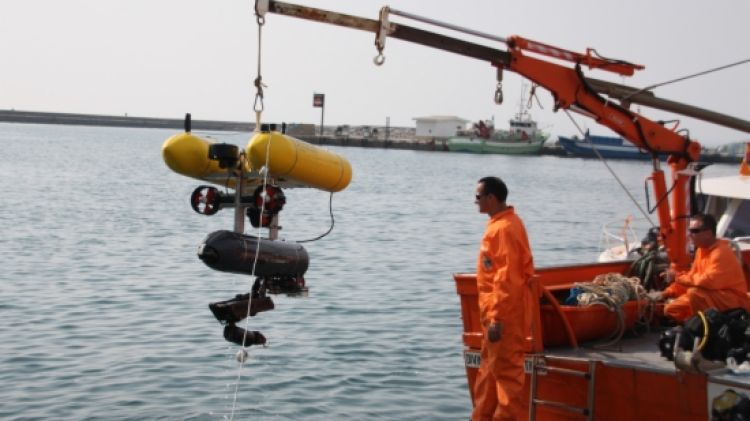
(228, 251)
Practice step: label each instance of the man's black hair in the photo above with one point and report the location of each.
(494, 186)
(707, 221)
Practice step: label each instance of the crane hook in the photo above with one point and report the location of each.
(381, 36)
(499, 88)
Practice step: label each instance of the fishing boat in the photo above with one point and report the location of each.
(523, 137)
(626, 377)
(566, 377)
(607, 147)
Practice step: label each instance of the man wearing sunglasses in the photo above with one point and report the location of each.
(715, 279)
(504, 268)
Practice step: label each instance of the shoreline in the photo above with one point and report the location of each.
(436, 145)
(36, 117)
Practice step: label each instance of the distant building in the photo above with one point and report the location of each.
(300, 129)
(439, 126)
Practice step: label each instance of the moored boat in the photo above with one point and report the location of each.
(497, 144)
(523, 137)
(509, 145)
(607, 147)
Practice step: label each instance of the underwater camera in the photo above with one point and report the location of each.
(227, 154)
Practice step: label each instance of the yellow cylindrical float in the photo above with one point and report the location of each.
(296, 160)
(187, 154)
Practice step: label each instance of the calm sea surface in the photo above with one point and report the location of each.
(103, 302)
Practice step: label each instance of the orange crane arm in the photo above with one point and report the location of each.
(617, 66)
(571, 91)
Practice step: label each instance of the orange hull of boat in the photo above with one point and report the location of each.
(624, 394)
(621, 393)
(591, 322)
(588, 323)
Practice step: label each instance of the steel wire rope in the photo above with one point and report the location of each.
(680, 79)
(258, 108)
(252, 275)
(611, 171)
(258, 103)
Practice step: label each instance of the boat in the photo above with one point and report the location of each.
(568, 377)
(607, 147)
(731, 152)
(580, 362)
(523, 137)
(622, 240)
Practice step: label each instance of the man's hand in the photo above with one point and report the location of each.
(668, 276)
(656, 295)
(495, 332)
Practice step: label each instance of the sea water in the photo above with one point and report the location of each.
(103, 301)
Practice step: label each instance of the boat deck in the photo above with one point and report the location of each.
(641, 353)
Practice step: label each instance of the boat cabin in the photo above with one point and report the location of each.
(728, 198)
(523, 126)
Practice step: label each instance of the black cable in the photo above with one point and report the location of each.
(330, 209)
(658, 202)
(615, 105)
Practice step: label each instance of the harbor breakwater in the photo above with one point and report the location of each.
(34, 117)
(303, 131)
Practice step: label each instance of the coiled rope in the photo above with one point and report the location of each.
(612, 291)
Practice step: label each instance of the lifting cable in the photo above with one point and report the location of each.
(611, 171)
(258, 103)
(258, 108)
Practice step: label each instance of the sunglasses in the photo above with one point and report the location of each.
(479, 196)
(695, 230)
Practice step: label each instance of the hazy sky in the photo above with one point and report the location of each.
(163, 58)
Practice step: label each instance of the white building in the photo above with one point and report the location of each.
(439, 126)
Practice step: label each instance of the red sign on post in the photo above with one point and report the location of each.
(319, 100)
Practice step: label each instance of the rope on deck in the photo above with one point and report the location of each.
(612, 291)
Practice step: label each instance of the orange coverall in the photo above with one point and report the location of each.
(504, 268)
(715, 280)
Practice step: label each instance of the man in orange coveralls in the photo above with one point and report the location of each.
(504, 268)
(715, 279)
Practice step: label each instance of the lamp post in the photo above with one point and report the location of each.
(319, 101)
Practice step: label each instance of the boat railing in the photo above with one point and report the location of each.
(620, 239)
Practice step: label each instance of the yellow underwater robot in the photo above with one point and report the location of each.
(271, 160)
